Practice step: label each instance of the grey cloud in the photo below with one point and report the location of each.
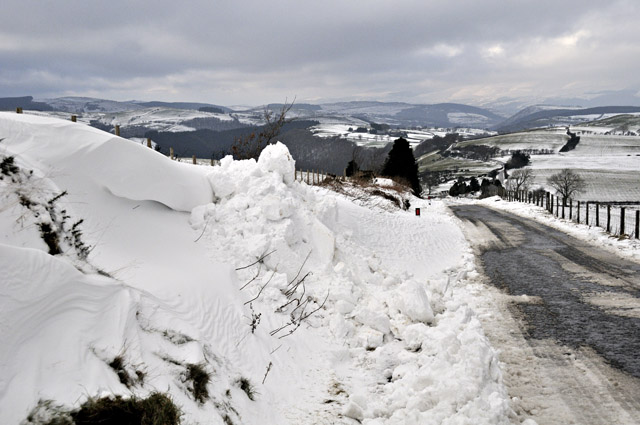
(249, 51)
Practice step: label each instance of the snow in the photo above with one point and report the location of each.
(174, 278)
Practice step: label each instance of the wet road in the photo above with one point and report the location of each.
(570, 278)
(568, 296)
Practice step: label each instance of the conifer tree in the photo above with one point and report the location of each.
(401, 163)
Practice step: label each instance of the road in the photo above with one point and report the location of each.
(566, 317)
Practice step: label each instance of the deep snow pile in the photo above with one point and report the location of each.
(352, 314)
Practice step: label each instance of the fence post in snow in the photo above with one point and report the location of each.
(564, 202)
(586, 213)
(597, 214)
(621, 221)
(637, 224)
(578, 218)
(194, 160)
(171, 153)
(570, 209)
(608, 218)
(117, 130)
(18, 110)
(74, 118)
(548, 196)
(149, 143)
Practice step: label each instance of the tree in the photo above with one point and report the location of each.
(401, 163)
(474, 184)
(567, 183)
(251, 146)
(520, 179)
(518, 159)
(430, 180)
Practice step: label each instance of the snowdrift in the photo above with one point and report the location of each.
(330, 311)
(126, 169)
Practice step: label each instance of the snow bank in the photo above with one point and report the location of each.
(126, 169)
(402, 345)
(390, 340)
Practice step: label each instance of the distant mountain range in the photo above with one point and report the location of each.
(400, 114)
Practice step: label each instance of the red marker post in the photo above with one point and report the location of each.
(418, 212)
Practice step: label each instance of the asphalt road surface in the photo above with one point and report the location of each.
(576, 310)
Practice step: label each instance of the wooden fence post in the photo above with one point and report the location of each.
(18, 110)
(558, 206)
(117, 130)
(149, 143)
(637, 224)
(74, 118)
(194, 160)
(171, 153)
(586, 213)
(307, 176)
(597, 214)
(622, 221)
(551, 205)
(570, 209)
(608, 218)
(578, 218)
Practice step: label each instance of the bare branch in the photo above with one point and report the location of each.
(259, 260)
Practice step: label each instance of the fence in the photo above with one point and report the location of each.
(311, 177)
(617, 218)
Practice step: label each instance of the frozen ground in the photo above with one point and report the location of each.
(353, 314)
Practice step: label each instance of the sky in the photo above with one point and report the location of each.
(248, 52)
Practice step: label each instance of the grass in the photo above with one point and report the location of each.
(156, 409)
(199, 377)
(245, 385)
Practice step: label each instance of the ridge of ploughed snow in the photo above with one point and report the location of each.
(391, 339)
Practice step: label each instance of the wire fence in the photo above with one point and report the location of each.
(617, 218)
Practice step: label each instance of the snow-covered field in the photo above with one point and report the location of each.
(340, 128)
(157, 118)
(353, 314)
(609, 164)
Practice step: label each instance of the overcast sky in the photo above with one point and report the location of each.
(251, 52)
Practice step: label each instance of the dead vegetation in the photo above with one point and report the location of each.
(366, 191)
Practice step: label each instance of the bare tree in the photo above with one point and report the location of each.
(252, 145)
(520, 179)
(567, 183)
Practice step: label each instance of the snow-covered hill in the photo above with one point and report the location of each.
(302, 306)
